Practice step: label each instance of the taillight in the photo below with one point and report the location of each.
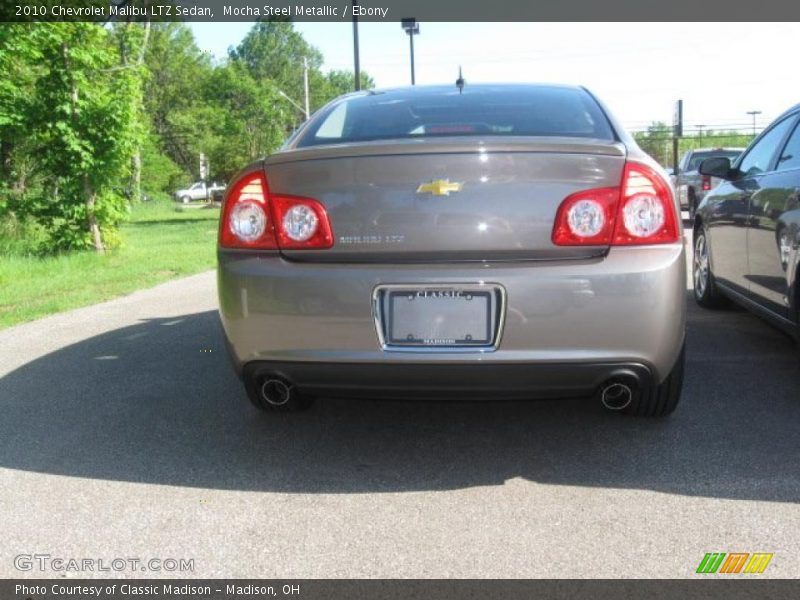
(586, 218)
(706, 183)
(647, 210)
(254, 218)
(246, 221)
(301, 223)
(641, 211)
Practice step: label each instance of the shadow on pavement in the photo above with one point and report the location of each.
(150, 403)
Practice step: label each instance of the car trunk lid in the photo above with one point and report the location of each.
(434, 200)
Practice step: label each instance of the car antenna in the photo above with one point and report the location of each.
(460, 81)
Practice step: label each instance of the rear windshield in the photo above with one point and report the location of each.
(698, 157)
(534, 111)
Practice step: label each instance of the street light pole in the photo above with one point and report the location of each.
(411, 41)
(411, 27)
(753, 113)
(283, 95)
(356, 58)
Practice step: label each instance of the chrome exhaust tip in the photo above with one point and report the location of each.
(276, 392)
(616, 395)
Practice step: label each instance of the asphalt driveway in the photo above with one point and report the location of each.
(123, 432)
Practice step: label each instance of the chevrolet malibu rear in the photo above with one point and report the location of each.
(482, 242)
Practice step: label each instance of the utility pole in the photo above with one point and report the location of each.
(753, 113)
(411, 27)
(700, 130)
(677, 133)
(356, 59)
(305, 86)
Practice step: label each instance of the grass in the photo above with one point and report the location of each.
(160, 242)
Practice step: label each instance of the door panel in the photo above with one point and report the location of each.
(726, 216)
(774, 211)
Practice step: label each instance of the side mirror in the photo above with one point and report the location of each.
(719, 166)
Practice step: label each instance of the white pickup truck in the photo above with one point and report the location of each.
(198, 191)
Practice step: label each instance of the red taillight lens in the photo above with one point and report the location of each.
(647, 210)
(586, 218)
(706, 183)
(246, 221)
(301, 223)
(641, 211)
(254, 218)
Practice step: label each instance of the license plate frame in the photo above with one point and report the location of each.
(395, 317)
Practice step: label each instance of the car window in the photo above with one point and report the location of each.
(790, 157)
(699, 157)
(333, 126)
(757, 160)
(481, 110)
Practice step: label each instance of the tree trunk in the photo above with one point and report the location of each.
(91, 218)
(89, 195)
(136, 159)
(136, 176)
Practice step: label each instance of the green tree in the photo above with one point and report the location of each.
(248, 121)
(83, 126)
(132, 39)
(20, 64)
(274, 51)
(656, 141)
(175, 97)
(343, 82)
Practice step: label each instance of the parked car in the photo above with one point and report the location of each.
(747, 230)
(198, 191)
(690, 184)
(505, 241)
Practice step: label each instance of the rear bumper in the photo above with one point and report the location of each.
(449, 381)
(567, 323)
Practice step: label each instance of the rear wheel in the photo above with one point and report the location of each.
(660, 400)
(706, 293)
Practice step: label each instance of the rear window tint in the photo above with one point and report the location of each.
(521, 111)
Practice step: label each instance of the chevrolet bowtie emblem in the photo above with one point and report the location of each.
(440, 187)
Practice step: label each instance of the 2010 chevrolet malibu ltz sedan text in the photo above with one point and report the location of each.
(479, 241)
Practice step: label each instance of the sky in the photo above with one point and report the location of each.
(639, 70)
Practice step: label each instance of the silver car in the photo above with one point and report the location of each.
(492, 242)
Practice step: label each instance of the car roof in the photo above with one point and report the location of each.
(693, 150)
(788, 112)
(412, 91)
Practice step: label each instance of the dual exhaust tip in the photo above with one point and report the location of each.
(276, 392)
(616, 395)
(618, 391)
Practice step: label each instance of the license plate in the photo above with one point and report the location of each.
(439, 317)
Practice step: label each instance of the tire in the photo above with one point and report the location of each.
(186, 199)
(660, 400)
(706, 293)
(691, 200)
(297, 402)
